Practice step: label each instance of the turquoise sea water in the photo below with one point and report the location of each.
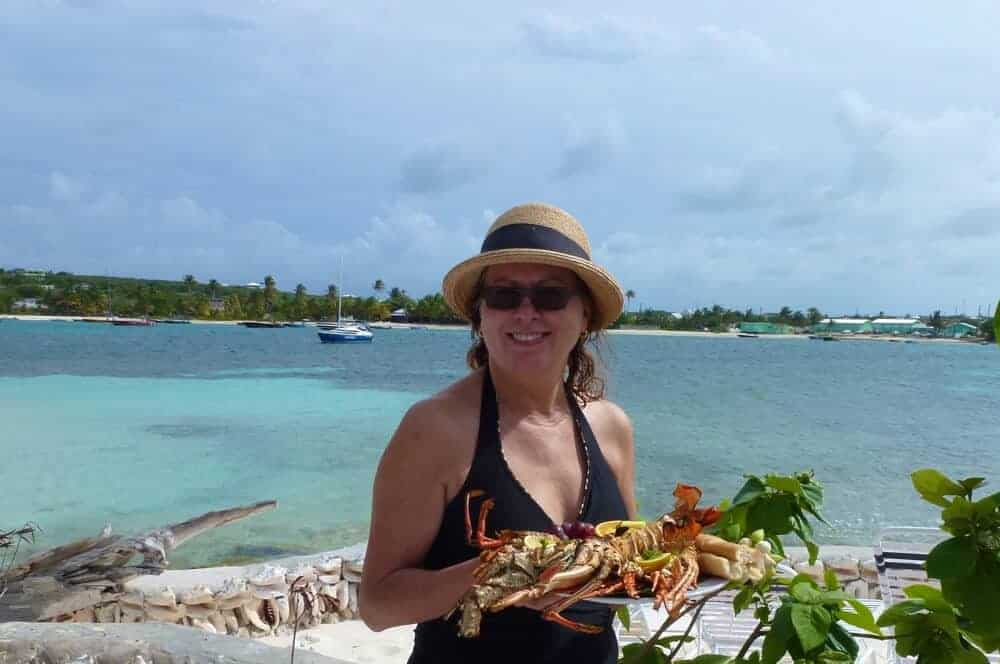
(142, 427)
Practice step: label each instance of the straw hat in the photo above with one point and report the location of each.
(536, 233)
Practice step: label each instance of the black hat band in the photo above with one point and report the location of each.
(532, 236)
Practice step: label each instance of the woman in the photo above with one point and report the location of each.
(515, 428)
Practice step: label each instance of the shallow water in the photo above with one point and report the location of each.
(147, 426)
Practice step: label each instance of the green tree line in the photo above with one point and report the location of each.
(62, 293)
(715, 318)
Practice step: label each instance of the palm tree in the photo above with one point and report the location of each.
(190, 281)
(270, 292)
(629, 294)
(213, 285)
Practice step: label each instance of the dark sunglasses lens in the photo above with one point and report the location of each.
(502, 298)
(551, 299)
(543, 299)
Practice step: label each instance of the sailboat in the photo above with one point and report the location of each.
(344, 332)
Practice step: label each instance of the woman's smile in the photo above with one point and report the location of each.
(527, 338)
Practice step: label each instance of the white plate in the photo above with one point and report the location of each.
(706, 585)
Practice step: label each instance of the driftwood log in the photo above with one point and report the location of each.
(92, 571)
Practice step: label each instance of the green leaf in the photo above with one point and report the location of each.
(813, 550)
(900, 612)
(812, 624)
(803, 589)
(812, 493)
(830, 579)
(773, 513)
(933, 486)
(783, 483)
(970, 484)
(832, 656)
(631, 655)
(752, 489)
(669, 641)
(838, 639)
(742, 599)
(776, 641)
(624, 617)
(978, 599)
(837, 597)
(955, 557)
(861, 617)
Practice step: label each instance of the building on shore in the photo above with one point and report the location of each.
(29, 303)
(398, 316)
(960, 329)
(766, 328)
(844, 325)
(897, 325)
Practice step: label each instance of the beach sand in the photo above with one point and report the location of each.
(352, 641)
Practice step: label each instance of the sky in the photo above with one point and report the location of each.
(753, 155)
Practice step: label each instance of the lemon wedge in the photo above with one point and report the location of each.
(655, 563)
(608, 528)
(537, 541)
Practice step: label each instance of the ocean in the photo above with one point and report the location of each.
(141, 427)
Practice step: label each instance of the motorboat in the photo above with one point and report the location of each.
(133, 322)
(257, 324)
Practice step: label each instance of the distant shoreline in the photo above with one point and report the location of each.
(622, 331)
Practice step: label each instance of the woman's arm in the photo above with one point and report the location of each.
(409, 499)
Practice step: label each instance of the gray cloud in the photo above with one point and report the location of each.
(978, 223)
(437, 169)
(721, 189)
(590, 151)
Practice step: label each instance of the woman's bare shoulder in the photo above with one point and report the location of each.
(436, 425)
(609, 417)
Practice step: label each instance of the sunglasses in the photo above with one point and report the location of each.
(543, 298)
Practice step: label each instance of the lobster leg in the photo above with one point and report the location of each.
(554, 611)
(479, 538)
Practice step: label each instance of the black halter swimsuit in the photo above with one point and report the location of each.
(518, 634)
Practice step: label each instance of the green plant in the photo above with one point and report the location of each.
(778, 505)
(954, 625)
(996, 324)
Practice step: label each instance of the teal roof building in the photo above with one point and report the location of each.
(842, 325)
(766, 328)
(958, 330)
(896, 325)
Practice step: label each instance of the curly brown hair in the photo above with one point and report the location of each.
(583, 378)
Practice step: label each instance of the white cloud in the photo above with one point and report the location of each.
(713, 41)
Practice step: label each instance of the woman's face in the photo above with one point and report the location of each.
(525, 338)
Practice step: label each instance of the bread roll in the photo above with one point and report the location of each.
(710, 563)
(719, 547)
